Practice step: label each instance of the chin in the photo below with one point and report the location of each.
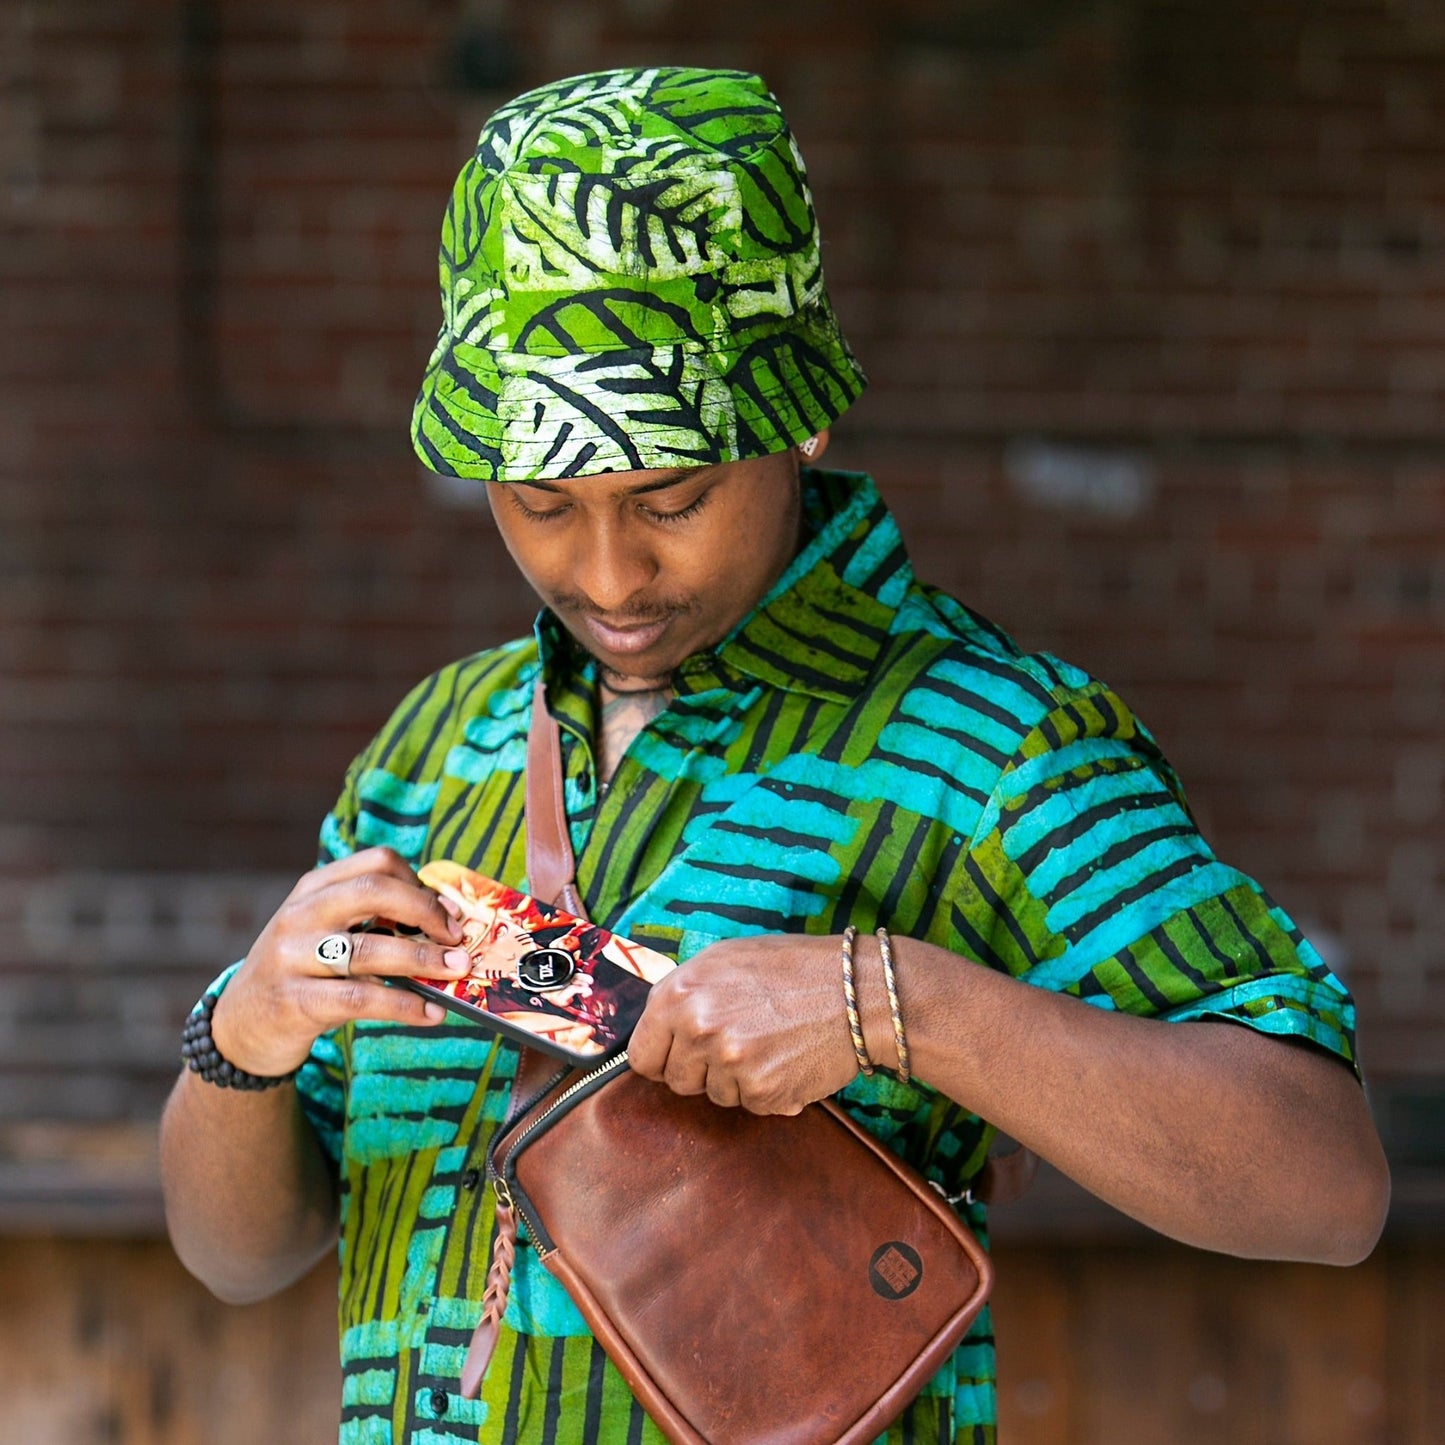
(641, 681)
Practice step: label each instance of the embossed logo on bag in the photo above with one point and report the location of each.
(895, 1269)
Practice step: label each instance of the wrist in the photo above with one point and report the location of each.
(874, 1014)
(211, 1061)
(249, 1025)
(877, 1018)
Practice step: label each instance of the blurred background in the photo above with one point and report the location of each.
(1152, 294)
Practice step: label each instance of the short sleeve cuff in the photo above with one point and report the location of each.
(321, 1085)
(1285, 1006)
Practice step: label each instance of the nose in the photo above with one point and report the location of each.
(612, 565)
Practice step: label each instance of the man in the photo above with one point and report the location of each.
(770, 731)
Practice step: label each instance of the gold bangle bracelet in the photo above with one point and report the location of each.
(850, 1002)
(895, 1009)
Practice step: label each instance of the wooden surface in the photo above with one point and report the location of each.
(1165, 1344)
(112, 1343)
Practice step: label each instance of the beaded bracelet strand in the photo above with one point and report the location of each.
(201, 1056)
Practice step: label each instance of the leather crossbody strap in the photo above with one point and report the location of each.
(551, 867)
(551, 870)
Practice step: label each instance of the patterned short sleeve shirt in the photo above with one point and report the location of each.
(861, 749)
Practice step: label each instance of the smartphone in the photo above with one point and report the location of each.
(540, 975)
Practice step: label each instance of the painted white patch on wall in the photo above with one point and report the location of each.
(1106, 482)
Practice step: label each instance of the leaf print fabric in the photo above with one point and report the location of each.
(631, 278)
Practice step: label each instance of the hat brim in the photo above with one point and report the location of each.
(512, 417)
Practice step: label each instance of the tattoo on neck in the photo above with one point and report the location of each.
(624, 715)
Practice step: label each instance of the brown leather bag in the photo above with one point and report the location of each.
(754, 1279)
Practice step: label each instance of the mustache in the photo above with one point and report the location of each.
(638, 613)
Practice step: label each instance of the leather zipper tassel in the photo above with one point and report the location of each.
(494, 1300)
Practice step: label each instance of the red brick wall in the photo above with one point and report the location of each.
(1153, 299)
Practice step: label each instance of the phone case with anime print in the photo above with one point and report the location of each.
(541, 976)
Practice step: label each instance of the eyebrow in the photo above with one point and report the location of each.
(670, 479)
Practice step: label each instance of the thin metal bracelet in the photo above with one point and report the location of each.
(850, 1002)
(201, 1056)
(895, 1009)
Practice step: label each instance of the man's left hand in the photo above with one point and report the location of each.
(756, 1022)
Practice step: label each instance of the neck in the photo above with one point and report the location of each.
(624, 714)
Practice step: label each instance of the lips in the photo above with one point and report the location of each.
(628, 638)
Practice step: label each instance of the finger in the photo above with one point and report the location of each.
(349, 902)
(333, 1002)
(723, 1089)
(384, 956)
(368, 860)
(684, 1076)
(768, 1104)
(648, 1047)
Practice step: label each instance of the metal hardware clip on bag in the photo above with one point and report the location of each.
(754, 1279)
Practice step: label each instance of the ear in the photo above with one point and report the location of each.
(811, 451)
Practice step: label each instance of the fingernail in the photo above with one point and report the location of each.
(434, 1012)
(457, 960)
(451, 905)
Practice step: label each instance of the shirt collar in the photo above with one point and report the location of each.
(819, 629)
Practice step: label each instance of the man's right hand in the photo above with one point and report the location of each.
(283, 996)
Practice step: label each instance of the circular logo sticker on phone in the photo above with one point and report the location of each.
(545, 968)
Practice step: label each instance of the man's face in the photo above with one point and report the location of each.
(646, 568)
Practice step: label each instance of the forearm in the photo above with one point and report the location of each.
(249, 1194)
(1212, 1134)
(249, 1197)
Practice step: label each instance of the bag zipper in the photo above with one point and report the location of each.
(497, 1172)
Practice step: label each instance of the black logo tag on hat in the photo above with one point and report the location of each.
(545, 968)
(895, 1270)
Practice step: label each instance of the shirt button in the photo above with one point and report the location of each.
(471, 1179)
(439, 1402)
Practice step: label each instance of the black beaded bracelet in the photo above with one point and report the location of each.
(201, 1056)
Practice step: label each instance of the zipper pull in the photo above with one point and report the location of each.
(494, 1300)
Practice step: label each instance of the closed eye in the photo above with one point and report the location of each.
(681, 515)
(533, 514)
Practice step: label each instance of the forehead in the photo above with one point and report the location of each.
(615, 484)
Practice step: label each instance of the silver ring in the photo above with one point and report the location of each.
(335, 952)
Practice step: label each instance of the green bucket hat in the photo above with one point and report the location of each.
(631, 278)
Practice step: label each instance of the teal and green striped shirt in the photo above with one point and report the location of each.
(861, 749)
